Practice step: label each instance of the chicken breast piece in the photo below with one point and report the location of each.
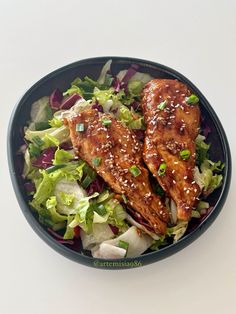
(112, 149)
(172, 125)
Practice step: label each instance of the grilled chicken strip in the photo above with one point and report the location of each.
(172, 126)
(111, 149)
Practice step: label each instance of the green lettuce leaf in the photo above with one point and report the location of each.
(137, 124)
(116, 213)
(44, 189)
(216, 166)
(135, 87)
(104, 196)
(51, 205)
(177, 231)
(68, 194)
(72, 90)
(40, 114)
(104, 71)
(62, 157)
(27, 163)
(131, 119)
(35, 176)
(46, 182)
(195, 214)
(69, 233)
(158, 243)
(49, 141)
(138, 76)
(206, 174)
(202, 205)
(84, 214)
(73, 171)
(61, 134)
(55, 123)
(103, 96)
(206, 177)
(202, 149)
(67, 198)
(83, 87)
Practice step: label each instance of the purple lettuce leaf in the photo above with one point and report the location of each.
(45, 159)
(29, 187)
(55, 99)
(97, 185)
(68, 102)
(116, 84)
(98, 107)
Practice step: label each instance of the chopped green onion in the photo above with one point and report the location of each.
(34, 150)
(39, 126)
(123, 245)
(79, 127)
(54, 168)
(185, 154)
(162, 169)
(87, 181)
(135, 171)
(101, 210)
(124, 198)
(37, 141)
(162, 105)
(192, 99)
(96, 161)
(106, 121)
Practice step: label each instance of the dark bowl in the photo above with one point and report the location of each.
(61, 79)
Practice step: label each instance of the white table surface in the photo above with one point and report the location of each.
(197, 38)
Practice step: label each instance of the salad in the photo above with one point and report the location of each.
(71, 200)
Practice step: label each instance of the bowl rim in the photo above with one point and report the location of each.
(147, 258)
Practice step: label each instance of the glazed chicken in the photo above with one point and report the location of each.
(114, 152)
(172, 124)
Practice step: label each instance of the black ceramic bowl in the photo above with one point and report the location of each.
(61, 79)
